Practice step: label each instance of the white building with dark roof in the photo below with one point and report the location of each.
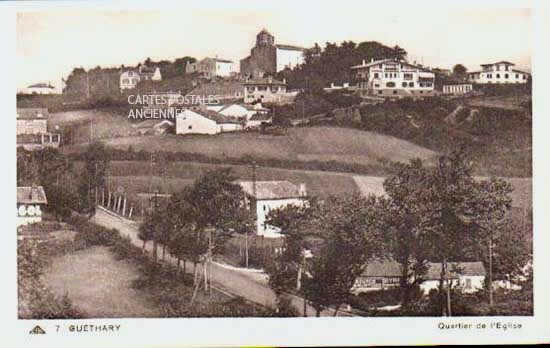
(30, 201)
(40, 88)
(499, 72)
(32, 129)
(211, 67)
(265, 196)
(387, 274)
(393, 78)
(202, 121)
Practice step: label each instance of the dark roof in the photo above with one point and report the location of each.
(290, 47)
(382, 269)
(501, 62)
(260, 117)
(455, 269)
(32, 113)
(519, 71)
(41, 85)
(390, 268)
(271, 189)
(31, 195)
(223, 60)
(147, 70)
(22, 139)
(264, 81)
(219, 88)
(214, 116)
(151, 123)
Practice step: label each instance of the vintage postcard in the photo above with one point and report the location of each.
(253, 173)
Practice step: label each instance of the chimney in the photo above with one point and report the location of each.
(332, 85)
(302, 191)
(372, 60)
(363, 62)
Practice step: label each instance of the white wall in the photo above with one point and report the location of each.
(189, 122)
(476, 284)
(290, 58)
(263, 207)
(499, 77)
(129, 80)
(228, 127)
(224, 69)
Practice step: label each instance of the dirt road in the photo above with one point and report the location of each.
(250, 285)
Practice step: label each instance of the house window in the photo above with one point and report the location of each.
(517, 76)
(468, 283)
(390, 84)
(525, 77)
(505, 76)
(376, 85)
(386, 75)
(379, 92)
(407, 76)
(411, 84)
(498, 76)
(375, 75)
(394, 92)
(404, 84)
(378, 281)
(125, 81)
(190, 127)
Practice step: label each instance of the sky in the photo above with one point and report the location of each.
(52, 42)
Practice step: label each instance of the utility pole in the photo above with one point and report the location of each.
(253, 200)
(151, 172)
(490, 271)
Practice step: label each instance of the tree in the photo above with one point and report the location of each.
(206, 212)
(96, 162)
(399, 213)
(146, 229)
(459, 70)
(347, 224)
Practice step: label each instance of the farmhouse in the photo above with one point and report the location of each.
(258, 120)
(30, 201)
(202, 121)
(32, 129)
(268, 57)
(211, 67)
(264, 196)
(393, 78)
(129, 79)
(387, 274)
(267, 90)
(40, 88)
(149, 73)
(500, 72)
(154, 127)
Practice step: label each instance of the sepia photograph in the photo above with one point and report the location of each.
(274, 162)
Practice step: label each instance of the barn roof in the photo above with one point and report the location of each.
(31, 195)
(271, 189)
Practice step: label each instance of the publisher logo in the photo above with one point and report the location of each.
(37, 330)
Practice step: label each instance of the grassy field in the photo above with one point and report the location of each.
(104, 123)
(98, 284)
(135, 177)
(312, 143)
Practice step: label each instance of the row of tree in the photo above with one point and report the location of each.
(194, 224)
(429, 214)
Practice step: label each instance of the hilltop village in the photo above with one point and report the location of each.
(298, 179)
